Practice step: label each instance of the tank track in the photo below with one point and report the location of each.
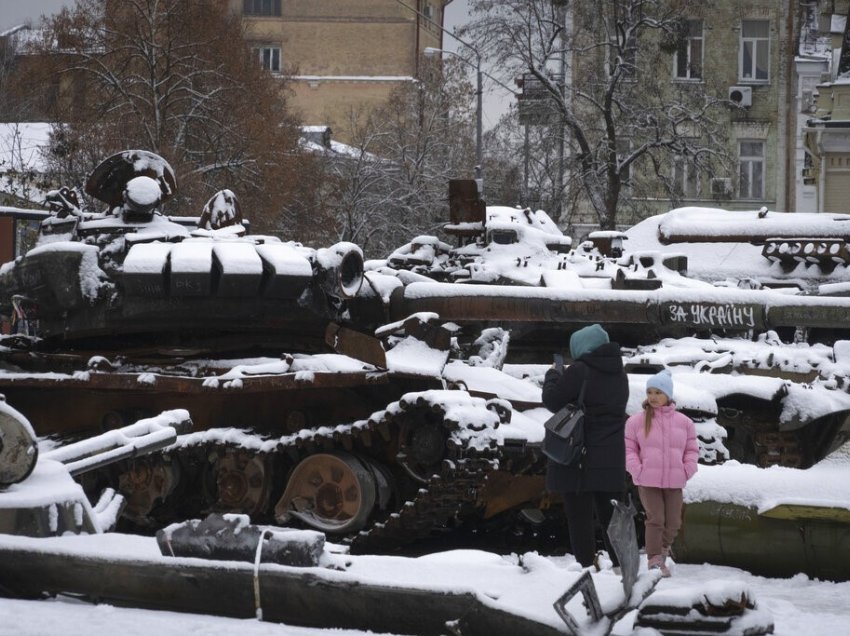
(451, 494)
(440, 484)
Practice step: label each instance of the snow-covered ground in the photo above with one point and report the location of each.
(526, 584)
(798, 605)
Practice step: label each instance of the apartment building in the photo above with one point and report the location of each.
(343, 55)
(823, 155)
(744, 51)
(762, 58)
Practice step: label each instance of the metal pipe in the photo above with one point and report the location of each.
(141, 438)
(779, 542)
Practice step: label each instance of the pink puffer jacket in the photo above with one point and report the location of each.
(668, 457)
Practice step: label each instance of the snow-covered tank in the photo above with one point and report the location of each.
(321, 388)
(514, 273)
(301, 414)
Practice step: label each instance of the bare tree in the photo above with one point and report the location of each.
(175, 77)
(601, 70)
(392, 183)
(522, 164)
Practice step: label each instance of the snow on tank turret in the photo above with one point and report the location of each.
(132, 270)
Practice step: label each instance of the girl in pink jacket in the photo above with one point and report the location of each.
(661, 455)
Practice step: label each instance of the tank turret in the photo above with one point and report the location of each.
(133, 272)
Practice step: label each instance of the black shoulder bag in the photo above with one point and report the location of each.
(564, 436)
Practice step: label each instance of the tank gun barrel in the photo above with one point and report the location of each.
(672, 307)
(141, 438)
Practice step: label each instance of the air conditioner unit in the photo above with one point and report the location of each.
(741, 95)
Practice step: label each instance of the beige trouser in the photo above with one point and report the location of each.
(663, 508)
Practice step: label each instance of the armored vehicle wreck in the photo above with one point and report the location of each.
(124, 313)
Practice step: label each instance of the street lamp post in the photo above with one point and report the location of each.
(429, 51)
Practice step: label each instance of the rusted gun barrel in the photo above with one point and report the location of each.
(141, 438)
(701, 308)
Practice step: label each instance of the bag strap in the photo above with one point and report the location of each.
(580, 400)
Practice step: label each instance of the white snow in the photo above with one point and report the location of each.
(285, 259)
(526, 583)
(48, 483)
(238, 258)
(413, 356)
(143, 190)
(694, 222)
(720, 261)
(147, 258)
(824, 484)
(192, 256)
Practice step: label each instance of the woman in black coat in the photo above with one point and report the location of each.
(600, 476)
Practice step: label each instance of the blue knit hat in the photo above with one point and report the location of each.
(586, 340)
(662, 381)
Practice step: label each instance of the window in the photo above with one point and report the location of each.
(688, 58)
(750, 169)
(755, 50)
(261, 7)
(426, 9)
(685, 177)
(269, 57)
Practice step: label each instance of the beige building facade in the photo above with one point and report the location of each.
(341, 56)
(764, 58)
(743, 51)
(825, 156)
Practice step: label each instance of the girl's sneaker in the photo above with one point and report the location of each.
(657, 562)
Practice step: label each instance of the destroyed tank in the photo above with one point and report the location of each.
(516, 278)
(300, 414)
(295, 362)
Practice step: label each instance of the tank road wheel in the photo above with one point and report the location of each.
(243, 482)
(147, 481)
(422, 444)
(18, 448)
(332, 493)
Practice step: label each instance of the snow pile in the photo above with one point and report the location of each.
(238, 258)
(824, 484)
(413, 356)
(691, 223)
(92, 278)
(192, 256)
(143, 191)
(285, 259)
(147, 258)
(698, 233)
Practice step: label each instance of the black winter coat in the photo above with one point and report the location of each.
(603, 468)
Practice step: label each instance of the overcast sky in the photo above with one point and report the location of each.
(14, 12)
(496, 99)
